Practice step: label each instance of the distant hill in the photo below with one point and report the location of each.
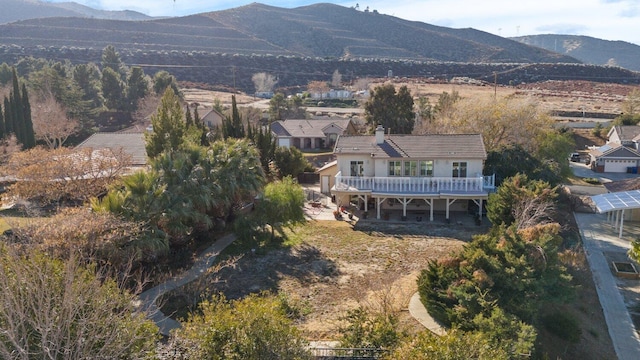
(15, 10)
(320, 30)
(588, 50)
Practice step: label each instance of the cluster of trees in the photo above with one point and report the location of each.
(15, 116)
(281, 107)
(72, 96)
(277, 161)
(59, 273)
(393, 110)
(500, 284)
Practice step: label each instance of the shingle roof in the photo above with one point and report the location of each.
(131, 143)
(613, 150)
(306, 127)
(627, 132)
(623, 185)
(459, 146)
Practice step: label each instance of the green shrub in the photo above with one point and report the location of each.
(563, 325)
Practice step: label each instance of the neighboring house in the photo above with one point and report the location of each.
(311, 134)
(332, 94)
(132, 144)
(327, 176)
(412, 173)
(213, 119)
(626, 135)
(614, 157)
(264, 94)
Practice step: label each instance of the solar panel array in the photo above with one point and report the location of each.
(617, 201)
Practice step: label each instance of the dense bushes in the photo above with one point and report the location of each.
(501, 280)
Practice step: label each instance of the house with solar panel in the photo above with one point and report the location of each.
(417, 176)
(620, 154)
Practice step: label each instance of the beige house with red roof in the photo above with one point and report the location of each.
(419, 173)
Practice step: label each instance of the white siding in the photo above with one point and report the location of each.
(286, 142)
(380, 167)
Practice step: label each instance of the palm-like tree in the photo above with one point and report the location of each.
(236, 170)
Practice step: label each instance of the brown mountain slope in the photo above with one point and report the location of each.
(589, 50)
(320, 30)
(16, 10)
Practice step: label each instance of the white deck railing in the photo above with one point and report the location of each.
(415, 185)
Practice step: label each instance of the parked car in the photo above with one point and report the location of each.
(575, 157)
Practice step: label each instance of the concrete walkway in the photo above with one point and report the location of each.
(200, 267)
(419, 312)
(598, 237)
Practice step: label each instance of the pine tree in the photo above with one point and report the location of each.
(168, 126)
(137, 87)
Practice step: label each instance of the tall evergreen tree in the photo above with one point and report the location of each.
(29, 140)
(168, 126)
(111, 59)
(87, 77)
(2, 128)
(232, 127)
(390, 109)
(15, 116)
(17, 109)
(113, 89)
(137, 87)
(8, 117)
(187, 117)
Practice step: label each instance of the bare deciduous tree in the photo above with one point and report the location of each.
(51, 123)
(531, 211)
(146, 107)
(502, 121)
(54, 175)
(263, 82)
(317, 87)
(60, 310)
(362, 84)
(8, 146)
(336, 79)
(100, 237)
(631, 105)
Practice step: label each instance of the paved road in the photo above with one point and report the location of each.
(584, 171)
(599, 237)
(202, 264)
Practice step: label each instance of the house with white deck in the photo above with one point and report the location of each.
(420, 174)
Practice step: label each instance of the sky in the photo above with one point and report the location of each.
(603, 19)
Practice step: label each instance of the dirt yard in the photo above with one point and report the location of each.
(337, 266)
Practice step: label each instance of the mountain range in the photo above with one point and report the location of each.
(15, 10)
(320, 30)
(588, 49)
(299, 45)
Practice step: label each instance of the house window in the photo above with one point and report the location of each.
(426, 168)
(357, 168)
(395, 168)
(410, 168)
(460, 169)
